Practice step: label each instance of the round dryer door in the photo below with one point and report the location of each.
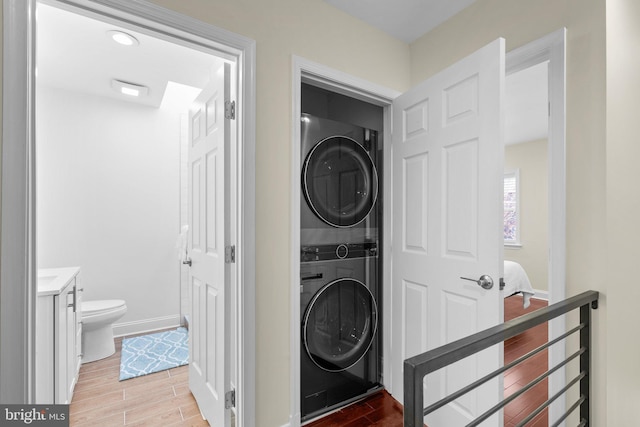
(340, 181)
(340, 324)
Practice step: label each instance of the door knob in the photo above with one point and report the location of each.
(187, 262)
(485, 281)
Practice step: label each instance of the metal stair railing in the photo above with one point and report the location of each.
(417, 367)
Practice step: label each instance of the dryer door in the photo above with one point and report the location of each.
(340, 324)
(340, 181)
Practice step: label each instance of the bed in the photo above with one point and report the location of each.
(517, 281)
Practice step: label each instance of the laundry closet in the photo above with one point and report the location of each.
(340, 250)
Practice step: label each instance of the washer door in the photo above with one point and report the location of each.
(340, 181)
(340, 324)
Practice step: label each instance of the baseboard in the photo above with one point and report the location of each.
(146, 325)
(541, 294)
(186, 321)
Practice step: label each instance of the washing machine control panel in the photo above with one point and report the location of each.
(310, 253)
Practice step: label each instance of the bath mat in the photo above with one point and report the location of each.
(153, 353)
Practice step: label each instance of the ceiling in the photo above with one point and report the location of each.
(406, 20)
(75, 53)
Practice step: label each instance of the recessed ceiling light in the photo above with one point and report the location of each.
(130, 89)
(123, 38)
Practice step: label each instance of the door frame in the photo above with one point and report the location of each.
(550, 47)
(18, 287)
(305, 71)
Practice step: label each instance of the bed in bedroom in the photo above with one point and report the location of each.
(517, 281)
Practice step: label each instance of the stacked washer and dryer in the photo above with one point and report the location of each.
(339, 264)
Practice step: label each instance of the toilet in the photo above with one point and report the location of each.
(97, 327)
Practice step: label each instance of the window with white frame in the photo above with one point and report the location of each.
(512, 208)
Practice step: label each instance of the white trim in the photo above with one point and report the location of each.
(145, 325)
(354, 87)
(552, 48)
(18, 262)
(17, 254)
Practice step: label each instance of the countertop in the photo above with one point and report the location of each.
(53, 281)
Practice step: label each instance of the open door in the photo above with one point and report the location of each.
(447, 224)
(210, 228)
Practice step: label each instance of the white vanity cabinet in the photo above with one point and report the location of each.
(58, 334)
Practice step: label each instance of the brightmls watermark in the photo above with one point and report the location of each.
(34, 415)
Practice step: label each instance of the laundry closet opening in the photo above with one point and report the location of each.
(341, 208)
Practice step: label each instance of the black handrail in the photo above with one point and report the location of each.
(417, 367)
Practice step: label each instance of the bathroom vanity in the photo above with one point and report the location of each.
(58, 334)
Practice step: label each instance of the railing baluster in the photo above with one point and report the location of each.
(549, 401)
(416, 368)
(524, 389)
(585, 341)
(495, 373)
(571, 409)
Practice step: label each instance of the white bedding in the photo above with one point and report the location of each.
(516, 280)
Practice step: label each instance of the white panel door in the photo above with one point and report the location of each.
(209, 278)
(447, 223)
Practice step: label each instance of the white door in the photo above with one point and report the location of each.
(209, 231)
(447, 223)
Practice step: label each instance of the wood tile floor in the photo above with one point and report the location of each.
(381, 409)
(523, 373)
(164, 399)
(159, 399)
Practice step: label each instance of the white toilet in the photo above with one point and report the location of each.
(97, 327)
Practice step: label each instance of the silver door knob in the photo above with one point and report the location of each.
(485, 281)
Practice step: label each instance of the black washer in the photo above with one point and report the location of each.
(340, 324)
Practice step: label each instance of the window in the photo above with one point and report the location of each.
(511, 208)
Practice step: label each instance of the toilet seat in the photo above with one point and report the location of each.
(97, 327)
(95, 308)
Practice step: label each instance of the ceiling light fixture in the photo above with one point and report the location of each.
(123, 38)
(130, 89)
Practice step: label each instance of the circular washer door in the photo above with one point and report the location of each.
(340, 324)
(340, 181)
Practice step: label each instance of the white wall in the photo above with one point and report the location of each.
(108, 201)
(623, 205)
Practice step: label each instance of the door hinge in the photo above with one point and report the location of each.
(230, 254)
(230, 110)
(230, 399)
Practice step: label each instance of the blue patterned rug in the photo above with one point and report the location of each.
(152, 353)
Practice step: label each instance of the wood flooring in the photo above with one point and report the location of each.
(163, 399)
(381, 409)
(158, 399)
(521, 374)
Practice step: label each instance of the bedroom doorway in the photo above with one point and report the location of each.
(535, 205)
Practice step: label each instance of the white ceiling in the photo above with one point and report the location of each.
(406, 20)
(527, 105)
(74, 53)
